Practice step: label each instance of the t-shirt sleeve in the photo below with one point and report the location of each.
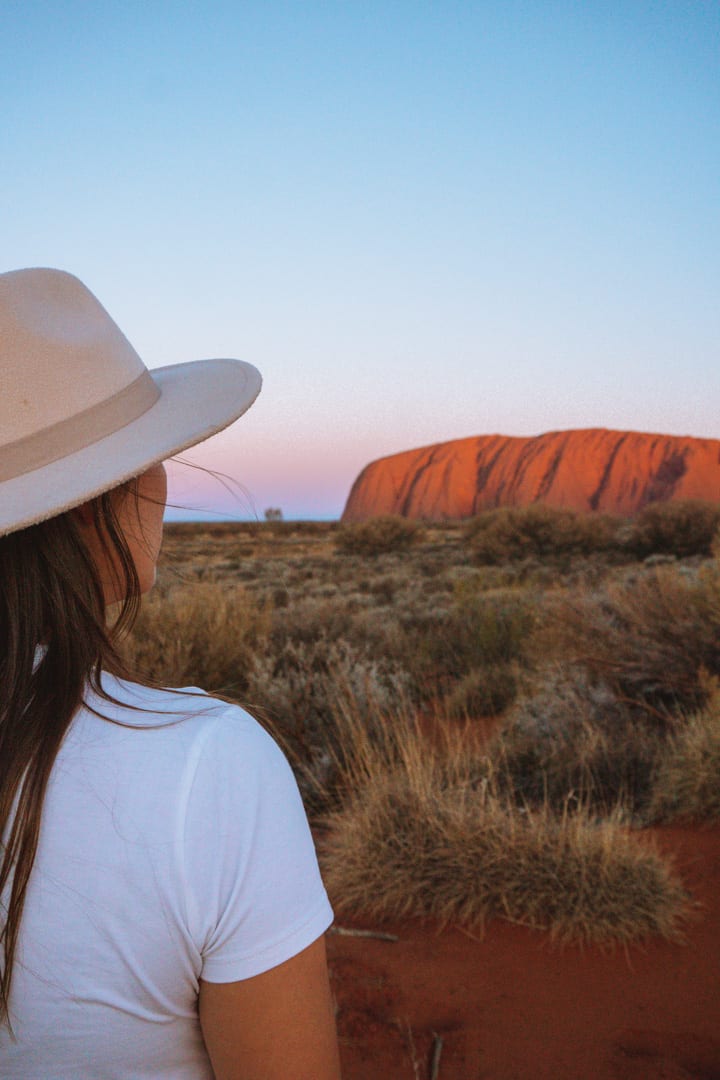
(254, 895)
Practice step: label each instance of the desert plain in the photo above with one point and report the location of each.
(510, 762)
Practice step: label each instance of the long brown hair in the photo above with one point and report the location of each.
(54, 642)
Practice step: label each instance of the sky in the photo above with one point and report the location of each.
(421, 221)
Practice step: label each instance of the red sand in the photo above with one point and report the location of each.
(516, 1007)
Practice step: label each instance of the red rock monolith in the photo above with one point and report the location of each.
(618, 472)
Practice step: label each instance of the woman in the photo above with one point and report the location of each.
(162, 911)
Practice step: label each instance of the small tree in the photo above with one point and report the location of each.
(273, 513)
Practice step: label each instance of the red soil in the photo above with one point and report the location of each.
(516, 1007)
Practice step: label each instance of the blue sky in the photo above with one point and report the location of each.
(421, 221)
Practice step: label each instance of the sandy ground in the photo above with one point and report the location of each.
(516, 1007)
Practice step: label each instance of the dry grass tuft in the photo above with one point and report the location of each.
(687, 783)
(202, 634)
(424, 833)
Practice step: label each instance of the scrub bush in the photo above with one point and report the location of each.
(477, 631)
(682, 528)
(538, 531)
(650, 637)
(484, 691)
(573, 744)
(297, 689)
(377, 536)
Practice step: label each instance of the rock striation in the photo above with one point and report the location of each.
(618, 472)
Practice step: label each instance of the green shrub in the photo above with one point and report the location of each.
(680, 528)
(537, 531)
(377, 536)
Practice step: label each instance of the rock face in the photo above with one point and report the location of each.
(617, 472)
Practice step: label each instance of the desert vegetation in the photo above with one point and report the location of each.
(484, 717)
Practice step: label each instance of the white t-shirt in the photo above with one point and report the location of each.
(167, 853)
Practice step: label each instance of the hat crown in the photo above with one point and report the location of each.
(60, 352)
(79, 411)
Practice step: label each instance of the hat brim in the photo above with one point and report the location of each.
(197, 400)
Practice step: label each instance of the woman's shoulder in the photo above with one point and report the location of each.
(137, 705)
(183, 714)
(141, 731)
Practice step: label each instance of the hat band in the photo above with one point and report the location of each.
(79, 431)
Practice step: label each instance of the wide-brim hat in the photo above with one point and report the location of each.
(79, 411)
